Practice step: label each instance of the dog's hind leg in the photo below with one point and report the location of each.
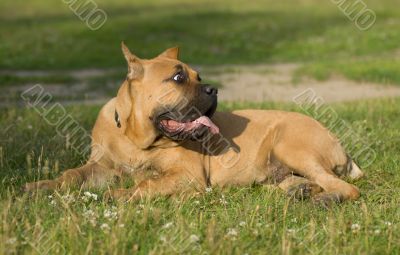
(294, 186)
(315, 157)
(89, 175)
(312, 167)
(335, 189)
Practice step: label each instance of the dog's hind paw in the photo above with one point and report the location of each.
(303, 191)
(327, 200)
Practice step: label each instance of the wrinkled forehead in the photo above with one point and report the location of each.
(165, 68)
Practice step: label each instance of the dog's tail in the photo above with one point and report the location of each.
(349, 169)
(355, 172)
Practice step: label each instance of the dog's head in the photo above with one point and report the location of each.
(164, 97)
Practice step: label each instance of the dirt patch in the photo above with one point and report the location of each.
(255, 83)
(275, 83)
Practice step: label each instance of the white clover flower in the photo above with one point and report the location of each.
(242, 223)
(110, 214)
(208, 189)
(222, 200)
(11, 240)
(89, 213)
(53, 203)
(355, 227)
(94, 196)
(91, 216)
(194, 238)
(388, 223)
(291, 231)
(232, 232)
(87, 196)
(377, 231)
(168, 225)
(105, 227)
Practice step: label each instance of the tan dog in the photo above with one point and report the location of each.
(163, 120)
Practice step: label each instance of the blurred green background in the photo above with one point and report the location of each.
(46, 34)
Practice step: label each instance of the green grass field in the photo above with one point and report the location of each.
(252, 219)
(46, 35)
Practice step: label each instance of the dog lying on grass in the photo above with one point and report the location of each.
(164, 118)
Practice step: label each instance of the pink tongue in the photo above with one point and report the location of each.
(188, 126)
(204, 120)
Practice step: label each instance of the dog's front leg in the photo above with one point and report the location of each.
(168, 184)
(89, 175)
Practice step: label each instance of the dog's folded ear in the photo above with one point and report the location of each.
(170, 53)
(135, 68)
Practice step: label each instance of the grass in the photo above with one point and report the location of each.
(46, 34)
(12, 80)
(252, 219)
(377, 70)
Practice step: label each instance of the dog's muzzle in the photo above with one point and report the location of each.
(192, 120)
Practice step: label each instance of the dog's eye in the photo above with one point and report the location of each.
(179, 77)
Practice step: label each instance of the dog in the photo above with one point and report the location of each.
(164, 121)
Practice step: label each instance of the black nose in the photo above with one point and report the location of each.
(210, 90)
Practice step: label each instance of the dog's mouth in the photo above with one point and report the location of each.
(194, 124)
(190, 126)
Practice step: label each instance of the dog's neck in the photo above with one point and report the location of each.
(138, 131)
